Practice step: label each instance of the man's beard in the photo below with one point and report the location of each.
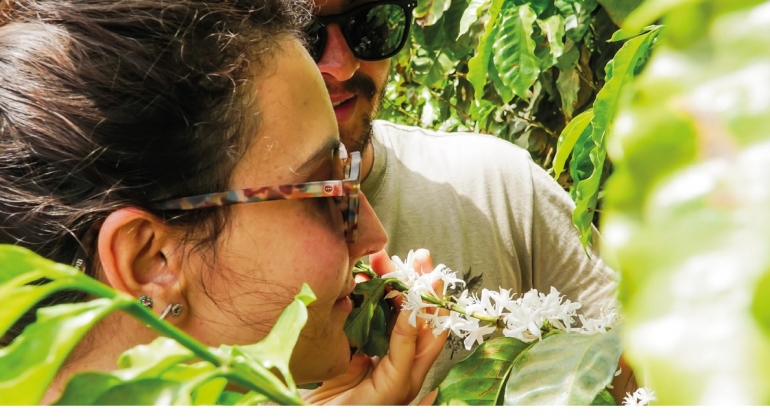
(365, 88)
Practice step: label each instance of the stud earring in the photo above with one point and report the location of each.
(146, 301)
(174, 308)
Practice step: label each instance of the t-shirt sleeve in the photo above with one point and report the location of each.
(559, 259)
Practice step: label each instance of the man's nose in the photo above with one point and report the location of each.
(337, 60)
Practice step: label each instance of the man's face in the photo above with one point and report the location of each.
(355, 86)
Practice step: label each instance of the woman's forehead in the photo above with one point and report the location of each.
(297, 123)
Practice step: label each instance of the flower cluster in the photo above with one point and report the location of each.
(472, 317)
(642, 396)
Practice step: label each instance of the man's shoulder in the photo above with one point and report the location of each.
(466, 144)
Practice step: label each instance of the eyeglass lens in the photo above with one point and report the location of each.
(372, 33)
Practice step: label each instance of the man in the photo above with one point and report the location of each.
(478, 203)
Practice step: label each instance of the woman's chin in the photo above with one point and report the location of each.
(307, 369)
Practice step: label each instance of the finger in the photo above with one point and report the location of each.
(381, 263)
(336, 389)
(392, 378)
(427, 349)
(429, 398)
(423, 262)
(429, 346)
(361, 277)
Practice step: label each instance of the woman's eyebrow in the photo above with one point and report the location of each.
(320, 153)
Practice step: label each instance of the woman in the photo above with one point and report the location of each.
(119, 123)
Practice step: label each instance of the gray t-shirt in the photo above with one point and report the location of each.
(483, 208)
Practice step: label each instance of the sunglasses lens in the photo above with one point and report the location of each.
(376, 32)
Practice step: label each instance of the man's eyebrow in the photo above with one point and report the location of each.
(322, 152)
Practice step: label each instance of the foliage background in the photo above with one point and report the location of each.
(518, 70)
(459, 70)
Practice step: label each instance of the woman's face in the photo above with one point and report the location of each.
(271, 248)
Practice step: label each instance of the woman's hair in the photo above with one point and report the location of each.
(106, 104)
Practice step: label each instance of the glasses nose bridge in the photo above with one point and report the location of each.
(338, 20)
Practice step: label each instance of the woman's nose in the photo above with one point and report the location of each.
(371, 235)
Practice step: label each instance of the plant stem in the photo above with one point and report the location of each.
(164, 328)
(445, 303)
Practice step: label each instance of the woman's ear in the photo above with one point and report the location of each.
(139, 255)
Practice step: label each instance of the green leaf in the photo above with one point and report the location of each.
(514, 51)
(505, 92)
(32, 360)
(568, 84)
(478, 65)
(149, 360)
(651, 10)
(604, 398)
(578, 128)
(619, 9)
(470, 15)
(233, 398)
(759, 307)
(430, 11)
(141, 392)
(623, 34)
(564, 369)
(366, 324)
(85, 388)
(553, 28)
(479, 378)
(620, 71)
(274, 351)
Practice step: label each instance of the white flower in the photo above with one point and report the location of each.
(415, 304)
(497, 301)
(448, 276)
(606, 319)
(404, 270)
(642, 396)
(463, 301)
(476, 332)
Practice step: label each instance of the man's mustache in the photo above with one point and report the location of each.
(362, 85)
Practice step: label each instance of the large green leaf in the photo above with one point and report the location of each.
(620, 71)
(274, 351)
(470, 15)
(479, 379)
(430, 11)
(366, 324)
(650, 10)
(32, 360)
(141, 392)
(553, 27)
(578, 128)
(619, 9)
(691, 242)
(478, 65)
(514, 50)
(604, 398)
(564, 369)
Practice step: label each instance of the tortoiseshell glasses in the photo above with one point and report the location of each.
(347, 187)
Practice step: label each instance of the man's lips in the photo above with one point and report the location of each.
(338, 98)
(343, 109)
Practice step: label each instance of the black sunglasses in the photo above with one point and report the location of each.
(373, 31)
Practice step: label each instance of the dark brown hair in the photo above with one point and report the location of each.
(106, 104)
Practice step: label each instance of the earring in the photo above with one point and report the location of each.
(146, 301)
(174, 308)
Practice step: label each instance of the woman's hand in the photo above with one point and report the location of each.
(397, 377)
